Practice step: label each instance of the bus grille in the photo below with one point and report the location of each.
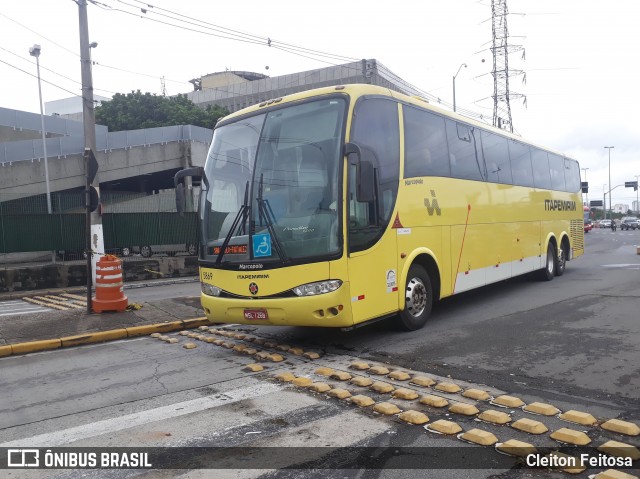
(577, 234)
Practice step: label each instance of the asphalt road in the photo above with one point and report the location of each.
(572, 342)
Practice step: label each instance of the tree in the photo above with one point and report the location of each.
(136, 110)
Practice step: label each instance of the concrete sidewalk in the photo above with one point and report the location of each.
(24, 333)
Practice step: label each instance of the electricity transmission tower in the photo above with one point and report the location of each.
(501, 73)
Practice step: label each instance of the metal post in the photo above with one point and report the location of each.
(585, 179)
(94, 236)
(604, 203)
(637, 188)
(454, 85)
(609, 148)
(34, 51)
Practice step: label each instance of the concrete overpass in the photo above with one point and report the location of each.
(136, 160)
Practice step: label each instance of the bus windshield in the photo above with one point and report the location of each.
(273, 185)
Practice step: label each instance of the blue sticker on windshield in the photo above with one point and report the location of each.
(261, 245)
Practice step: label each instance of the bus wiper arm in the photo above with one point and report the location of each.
(241, 217)
(265, 211)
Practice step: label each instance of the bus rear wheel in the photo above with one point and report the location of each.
(418, 295)
(562, 260)
(549, 271)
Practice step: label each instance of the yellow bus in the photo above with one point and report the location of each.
(343, 205)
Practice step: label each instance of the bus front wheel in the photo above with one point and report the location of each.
(418, 295)
(551, 264)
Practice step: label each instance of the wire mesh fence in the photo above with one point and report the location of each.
(134, 225)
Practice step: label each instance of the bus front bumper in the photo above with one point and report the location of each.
(324, 310)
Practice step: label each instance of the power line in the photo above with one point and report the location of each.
(42, 36)
(35, 76)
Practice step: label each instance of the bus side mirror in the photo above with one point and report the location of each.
(365, 182)
(181, 200)
(180, 193)
(585, 187)
(353, 149)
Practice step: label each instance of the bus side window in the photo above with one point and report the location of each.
(464, 151)
(496, 158)
(572, 175)
(425, 144)
(520, 163)
(540, 163)
(556, 170)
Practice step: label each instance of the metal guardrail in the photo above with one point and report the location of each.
(62, 146)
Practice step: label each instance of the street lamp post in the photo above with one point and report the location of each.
(609, 148)
(637, 204)
(454, 85)
(585, 179)
(34, 51)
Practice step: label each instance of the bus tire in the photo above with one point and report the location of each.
(418, 299)
(549, 271)
(561, 264)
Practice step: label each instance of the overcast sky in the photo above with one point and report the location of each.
(581, 85)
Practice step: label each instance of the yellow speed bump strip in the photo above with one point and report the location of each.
(570, 436)
(414, 417)
(361, 381)
(362, 401)
(477, 394)
(542, 409)
(422, 381)
(46, 304)
(508, 401)
(613, 474)
(622, 427)
(495, 417)
(516, 448)
(620, 449)
(443, 426)
(434, 401)
(448, 387)
(560, 458)
(477, 436)
(530, 426)
(386, 408)
(578, 417)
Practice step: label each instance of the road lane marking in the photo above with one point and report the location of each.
(116, 424)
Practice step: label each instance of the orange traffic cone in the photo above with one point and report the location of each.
(109, 295)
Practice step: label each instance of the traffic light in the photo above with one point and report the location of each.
(631, 184)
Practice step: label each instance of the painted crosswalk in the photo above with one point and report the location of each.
(42, 303)
(18, 306)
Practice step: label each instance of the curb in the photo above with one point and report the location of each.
(99, 337)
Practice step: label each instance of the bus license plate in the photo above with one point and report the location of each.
(255, 314)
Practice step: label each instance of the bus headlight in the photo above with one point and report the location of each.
(320, 287)
(210, 289)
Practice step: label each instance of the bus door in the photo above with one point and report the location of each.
(373, 259)
(373, 256)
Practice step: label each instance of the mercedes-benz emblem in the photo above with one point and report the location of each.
(253, 288)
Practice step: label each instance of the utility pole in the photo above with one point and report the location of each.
(501, 73)
(94, 236)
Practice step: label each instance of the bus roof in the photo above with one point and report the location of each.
(359, 89)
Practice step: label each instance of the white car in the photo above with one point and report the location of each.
(605, 224)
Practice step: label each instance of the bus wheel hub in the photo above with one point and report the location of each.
(416, 297)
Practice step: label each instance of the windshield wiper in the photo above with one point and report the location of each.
(241, 217)
(265, 212)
